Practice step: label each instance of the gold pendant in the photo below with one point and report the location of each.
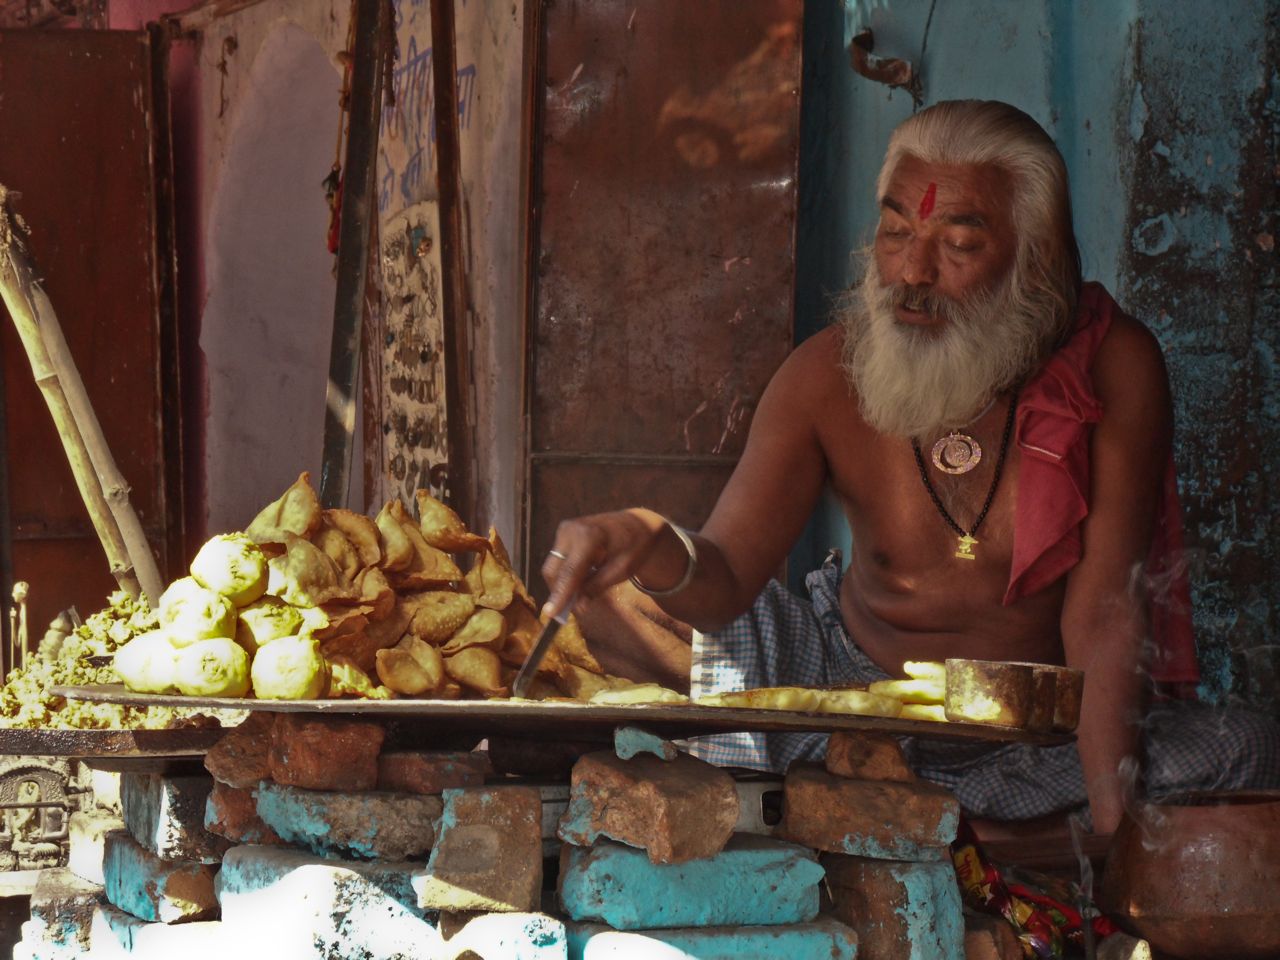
(957, 453)
(964, 547)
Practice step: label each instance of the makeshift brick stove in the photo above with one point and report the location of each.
(308, 837)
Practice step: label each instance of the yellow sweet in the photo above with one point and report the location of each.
(233, 565)
(148, 663)
(290, 668)
(192, 612)
(218, 667)
(264, 620)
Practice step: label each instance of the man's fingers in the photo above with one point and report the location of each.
(569, 564)
(590, 555)
(614, 570)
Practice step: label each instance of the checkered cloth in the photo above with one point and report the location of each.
(787, 641)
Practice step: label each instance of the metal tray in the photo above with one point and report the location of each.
(182, 742)
(581, 721)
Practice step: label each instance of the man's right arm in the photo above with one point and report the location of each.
(756, 520)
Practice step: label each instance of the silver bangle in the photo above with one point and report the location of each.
(690, 568)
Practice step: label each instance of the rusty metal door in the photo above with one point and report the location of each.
(662, 262)
(84, 116)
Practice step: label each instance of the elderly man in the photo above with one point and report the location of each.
(998, 434)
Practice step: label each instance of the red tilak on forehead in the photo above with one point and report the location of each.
(927, 201)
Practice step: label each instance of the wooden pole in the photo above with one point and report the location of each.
(83, 442)
(112, 482)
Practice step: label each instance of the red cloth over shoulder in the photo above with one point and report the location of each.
(1056, 411)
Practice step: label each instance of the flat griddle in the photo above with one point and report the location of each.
(532, 719)
(159, 744)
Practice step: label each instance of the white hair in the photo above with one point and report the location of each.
(911, 382)
(1046, 268)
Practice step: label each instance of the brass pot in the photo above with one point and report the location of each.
(1198, 877)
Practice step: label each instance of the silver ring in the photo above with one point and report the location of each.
(557, 554)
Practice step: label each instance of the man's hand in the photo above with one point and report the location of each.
(633, 637)
(594, 553)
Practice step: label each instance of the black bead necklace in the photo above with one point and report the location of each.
(965, 540)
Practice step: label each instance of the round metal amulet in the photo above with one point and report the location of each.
(956, 453)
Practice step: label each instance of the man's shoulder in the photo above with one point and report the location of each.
(812, 379)
(1128, 357)
(817, 361)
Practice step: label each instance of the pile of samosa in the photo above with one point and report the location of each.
(310, 603)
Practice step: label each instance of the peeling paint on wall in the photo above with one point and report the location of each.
(1204, 187)
(413, 397)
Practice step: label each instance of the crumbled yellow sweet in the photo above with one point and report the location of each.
(26, 699)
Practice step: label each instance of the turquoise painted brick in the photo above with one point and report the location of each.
(909, 911)
(152, 889)
(510, 936)
(754, 880)
(374, 825)
(629, 741)
(822, 940)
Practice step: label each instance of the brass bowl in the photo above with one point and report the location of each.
(1197, 877)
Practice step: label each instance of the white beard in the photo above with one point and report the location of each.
(921, 381)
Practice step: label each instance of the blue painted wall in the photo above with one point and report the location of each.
(1168, 115)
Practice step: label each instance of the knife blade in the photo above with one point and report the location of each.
(520, 686)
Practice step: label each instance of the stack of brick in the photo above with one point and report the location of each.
(884, 837)
(333, 834)
(307, 840)
(152, 867)
(651, 866)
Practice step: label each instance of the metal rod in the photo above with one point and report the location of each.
(11, 649)
(165, 246)
(530, 226)
(454, 302)
(6, 517)
(358, 205)
(20, 590)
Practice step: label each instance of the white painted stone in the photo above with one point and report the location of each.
(115, 935)
(823, 939)
(62, 907)
(166, 816)
(106, 789)
(508, 936)
(310, 908)
(87, 834)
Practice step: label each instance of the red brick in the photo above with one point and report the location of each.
(867, 757)
(239, 759)
(901, 911)
(325, 753)
(990, 938)
(232, 812)
(868, 818)
(677, 810)
(428, 771)
(488, 855)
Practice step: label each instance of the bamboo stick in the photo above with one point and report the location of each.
(115, 489)
(17, 284)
